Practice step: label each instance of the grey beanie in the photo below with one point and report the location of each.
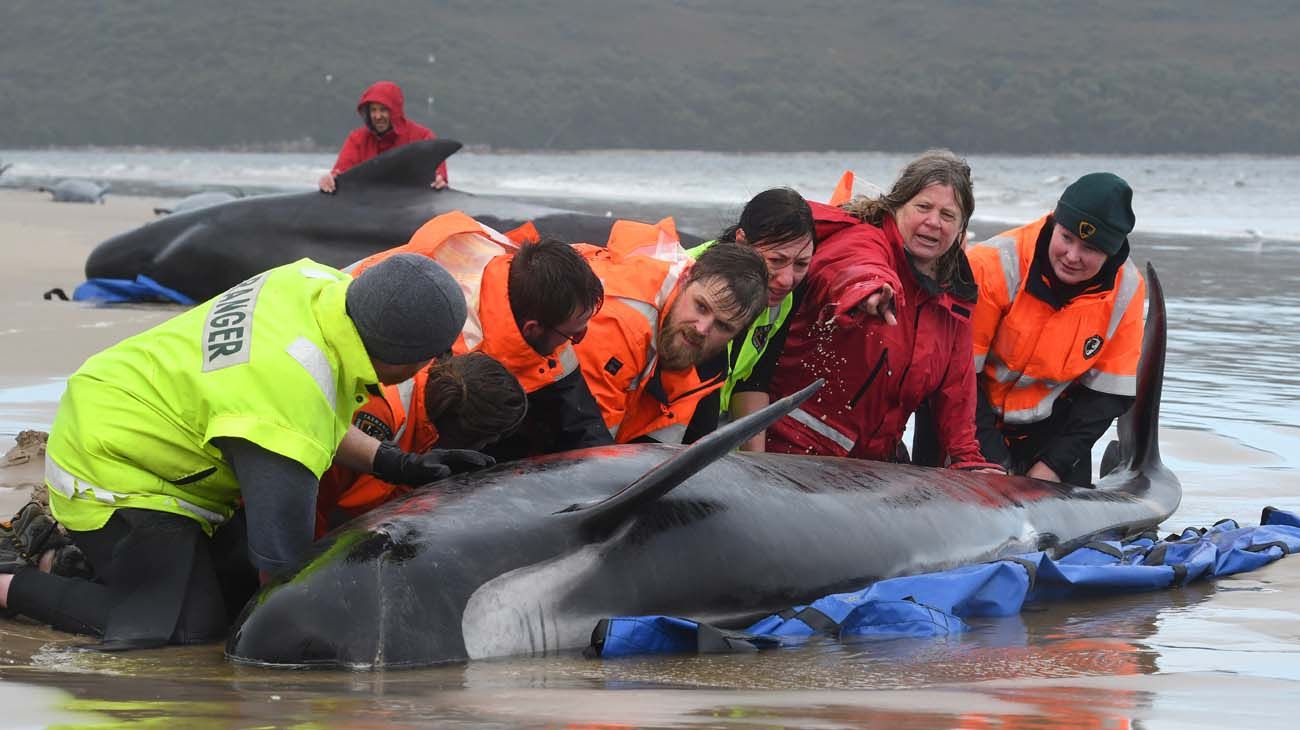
(407, 309)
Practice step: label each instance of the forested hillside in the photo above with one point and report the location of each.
(995, 76)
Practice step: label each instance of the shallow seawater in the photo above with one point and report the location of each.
(1222, 654)
(25, 404)
(1198, 654)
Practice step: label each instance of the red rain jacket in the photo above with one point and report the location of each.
(877, 374)
(363, 144)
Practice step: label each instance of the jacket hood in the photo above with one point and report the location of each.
(830, 219)
(390, 95)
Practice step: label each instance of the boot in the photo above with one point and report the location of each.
(11, 557)
(35, 532)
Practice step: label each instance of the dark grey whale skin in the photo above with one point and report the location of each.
(378, 205)
(526, 557)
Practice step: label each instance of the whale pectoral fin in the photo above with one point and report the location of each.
(409, 165)
(663, 478)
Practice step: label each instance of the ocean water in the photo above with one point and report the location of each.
(1224, 235)
(1233, 197)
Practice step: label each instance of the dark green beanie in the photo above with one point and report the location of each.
(1097, 208)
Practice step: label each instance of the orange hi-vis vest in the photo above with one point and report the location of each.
(1028, 353)
(479, 258)
(618, 356)
(398, 416)
(501, 338)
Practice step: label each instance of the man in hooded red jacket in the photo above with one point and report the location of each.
(382, 106)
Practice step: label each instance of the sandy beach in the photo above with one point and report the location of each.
(43, 245)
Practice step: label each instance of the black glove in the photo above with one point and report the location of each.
(399, 467)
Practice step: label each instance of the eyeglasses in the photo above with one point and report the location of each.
(574, 338)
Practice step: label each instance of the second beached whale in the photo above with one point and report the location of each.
(379, 204)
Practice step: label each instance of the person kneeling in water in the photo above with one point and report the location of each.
(184, 461)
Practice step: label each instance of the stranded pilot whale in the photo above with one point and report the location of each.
(525, 558)
(76, 191)
(198, 201)
(379, 204)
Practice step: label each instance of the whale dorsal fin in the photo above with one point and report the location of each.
(1139, 428)
(409, 165)
(663, 478)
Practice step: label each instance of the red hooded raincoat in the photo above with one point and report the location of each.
(876, 374)
(363, 144)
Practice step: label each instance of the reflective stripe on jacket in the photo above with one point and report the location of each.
(1028, 352)
(753, 343)
(274, 360)
(619, 358)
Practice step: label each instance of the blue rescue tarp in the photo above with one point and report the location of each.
(118, 291)
(934, 604)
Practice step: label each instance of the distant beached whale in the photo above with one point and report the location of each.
(76, 191)
(379, 204)
(197, 201)
(526, 557)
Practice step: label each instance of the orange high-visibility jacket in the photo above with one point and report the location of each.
(398, 416)
(1028, 353)
(479, 258)
(618, 356)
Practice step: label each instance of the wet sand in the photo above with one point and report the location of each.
(44, 245)
(1225, 653)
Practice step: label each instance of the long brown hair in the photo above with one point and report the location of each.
(475, 398)
(933, 166)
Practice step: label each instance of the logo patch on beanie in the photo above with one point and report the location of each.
(1087, 230)
(1092, 345)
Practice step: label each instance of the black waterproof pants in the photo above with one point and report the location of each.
(159, 580)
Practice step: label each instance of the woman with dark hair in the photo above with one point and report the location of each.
(778, 224)
(886, 322)
(462, 402)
